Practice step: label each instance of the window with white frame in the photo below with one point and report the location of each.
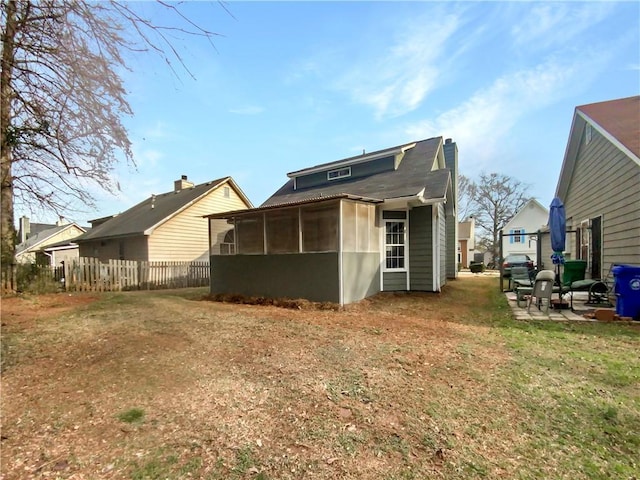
(395, 244)
(339, 173)
(227, 246)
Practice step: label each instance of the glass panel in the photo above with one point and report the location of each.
(394, 249)
(250, 234)
(320, 228)
(282, 231)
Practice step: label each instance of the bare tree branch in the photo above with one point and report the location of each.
(63, 99)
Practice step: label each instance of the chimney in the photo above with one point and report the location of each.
(182, 184)
(451, 162)
(25, 229)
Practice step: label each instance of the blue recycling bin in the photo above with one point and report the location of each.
(627, 289)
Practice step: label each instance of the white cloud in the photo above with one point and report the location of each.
(399, 78)
(482, 122)
(555, 24)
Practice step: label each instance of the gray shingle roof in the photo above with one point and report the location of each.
(142, 216)
(411, 177)
(41, 236)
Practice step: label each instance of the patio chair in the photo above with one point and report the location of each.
(573, 281)
(542, 289)
(522, 279)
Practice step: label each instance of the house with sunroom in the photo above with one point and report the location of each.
(345, 230)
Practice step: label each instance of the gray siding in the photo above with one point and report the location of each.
(606, 182)
(361, 277)
(420, 248)
(313, 276)
(442, 222)
(393, 281)
(357, 170)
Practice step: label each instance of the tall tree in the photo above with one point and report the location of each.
(496, 199)
(63, 99)
(466, 196)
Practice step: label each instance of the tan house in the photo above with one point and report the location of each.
(37, 238)
(164, 227)
(466, 241)
(599, 185)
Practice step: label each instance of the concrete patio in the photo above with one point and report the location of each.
(580, 308)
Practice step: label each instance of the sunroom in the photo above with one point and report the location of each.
(324, 249)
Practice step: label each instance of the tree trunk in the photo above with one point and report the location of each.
(7, 229)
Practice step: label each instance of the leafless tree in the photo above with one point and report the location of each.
(496, 199)
(466, 195)
(63, 99)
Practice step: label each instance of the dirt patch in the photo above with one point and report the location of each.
(19, 312)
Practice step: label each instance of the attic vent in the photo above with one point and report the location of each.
(339, 173)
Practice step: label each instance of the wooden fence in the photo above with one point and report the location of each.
(89, 274)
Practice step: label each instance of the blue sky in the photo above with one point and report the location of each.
(295, 84)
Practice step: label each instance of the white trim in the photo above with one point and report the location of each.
(264, 233)
(435, 247)
(340, 253)
(608, 136)
(300, 239)
(338, 177)
(405, 222)
(382, 248)
(406, 250)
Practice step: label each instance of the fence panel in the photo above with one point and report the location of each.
(88, 274)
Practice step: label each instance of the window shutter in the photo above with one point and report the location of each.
(522, 235)
(511, 238)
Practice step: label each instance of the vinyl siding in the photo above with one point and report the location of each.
(66, 234)
(394, 281)
(420, 248)
(606, 183)
(185, 237)
(357, 170)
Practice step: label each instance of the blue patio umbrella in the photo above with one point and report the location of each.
(557, 229)
(558, 234)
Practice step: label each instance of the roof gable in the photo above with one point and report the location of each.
(147, 215)
(40, 238)
(529, 209)
(616, 120)
(414, 176)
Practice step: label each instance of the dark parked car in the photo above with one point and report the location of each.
(516, 261)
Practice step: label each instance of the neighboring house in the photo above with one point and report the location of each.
(35, 248)
(466, 241)
(599, 185)
(165, 227)
(345, 230)
(528, 220)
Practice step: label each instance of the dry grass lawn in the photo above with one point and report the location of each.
(169, 385)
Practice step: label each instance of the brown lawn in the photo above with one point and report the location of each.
(397, 386)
